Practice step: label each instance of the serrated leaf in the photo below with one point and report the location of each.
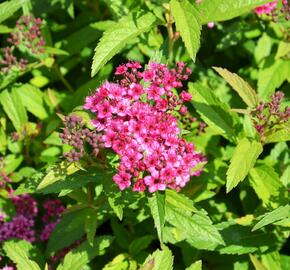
(67, 231)
(239, 239)
(32, 99)
(9, 7)
(195, 266)
(116, 207)
(280, 135)
(91, 224)
(115, 38)
(157, 207)
(272, 77)
(267, 185)
(18, 252)
(257, 264)
(214, 112)
(283, 49)
(70, 179)
(140, 244)
(14, 109)
(244, 158)
(186, 19)
(79, 257)
(263, 48)
(159, 260)
(179, 200)
(220, 10)
(273, 216)
(245, 91)
(58, 173)
(197, 229)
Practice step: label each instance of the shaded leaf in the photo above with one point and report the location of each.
(273, 216)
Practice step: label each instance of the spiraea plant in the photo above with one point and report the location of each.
(144, 135)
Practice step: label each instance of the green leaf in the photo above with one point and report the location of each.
(220, 10)
(55, 51)
(257, 264)
(140, 244)
(266, 183)
(79, 257)
(67, 179)
(244, 158)
(67, 231)
(12, 162)
(245, 91)
(196, 229)
(214, 112)
(159, 260)
(280, 135)
(272, 260)
(187, 23)
(283, 49)
(18, 252)
(115, 38)
(91, 224)
(263, 48)
(8, 8)
(157, 207)
(195, 266)
(179, 200)
(273, 216)
(14, 108)
(239, 239)
(271, 77)
(116, 206)
(57, 173)
(32, 99)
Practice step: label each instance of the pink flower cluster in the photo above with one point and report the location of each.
(136, 116)
(271, 8)
(54, 209)
(266, 8)
(21, 225)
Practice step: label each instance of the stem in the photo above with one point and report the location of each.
(170, 32)
(62, 78)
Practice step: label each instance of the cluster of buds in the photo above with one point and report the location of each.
(4, 178)
(77, 136)
(268, 115)
(9, 61)
(26, 37)
(27, 34)
(136, 118)
(271, 9)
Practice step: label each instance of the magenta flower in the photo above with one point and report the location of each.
(136, 119)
